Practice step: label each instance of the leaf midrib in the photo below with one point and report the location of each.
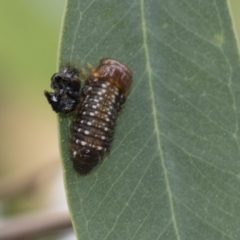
(155, 120)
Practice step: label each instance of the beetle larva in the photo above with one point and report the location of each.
(66, 85)
(101, 99)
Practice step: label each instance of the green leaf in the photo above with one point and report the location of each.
(174, 170)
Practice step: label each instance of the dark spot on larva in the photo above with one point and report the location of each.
(66, 86)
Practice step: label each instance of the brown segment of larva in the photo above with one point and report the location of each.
(93, 127)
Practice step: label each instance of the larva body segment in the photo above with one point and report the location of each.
(93, 127)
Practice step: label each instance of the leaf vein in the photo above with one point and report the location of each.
(154, 110)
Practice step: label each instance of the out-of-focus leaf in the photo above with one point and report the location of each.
(173, 171)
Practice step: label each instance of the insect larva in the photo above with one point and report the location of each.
(101, 98)
(66, 85)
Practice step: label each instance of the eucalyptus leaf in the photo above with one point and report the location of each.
(174, 169)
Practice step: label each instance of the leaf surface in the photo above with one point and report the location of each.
(173, 170)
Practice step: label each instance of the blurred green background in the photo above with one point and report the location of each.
(30, 31)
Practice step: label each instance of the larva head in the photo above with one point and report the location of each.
(116, 73)
(66, 86)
